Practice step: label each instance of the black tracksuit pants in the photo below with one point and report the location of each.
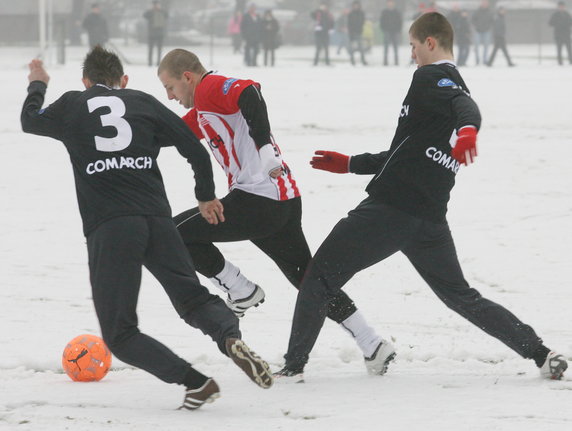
(117, 250)
(372, 232)
(275, 227)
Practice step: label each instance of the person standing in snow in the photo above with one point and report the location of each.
(156, 18)
(562, 23)
(499, 37)
(96, 27)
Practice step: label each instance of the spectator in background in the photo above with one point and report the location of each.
(156, 25)
(562, 22)
(323, 23)
(356, 21)
(341, 31)
(368, 35)
(459, 19)
(270, 37)
(482, 21)
(463, 38)
(251, 30)
(499, 37)
(96, 27)
(233, 31)
(390, 22)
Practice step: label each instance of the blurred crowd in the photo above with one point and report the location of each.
(256, 33)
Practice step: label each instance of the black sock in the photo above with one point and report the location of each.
(540, 355)
(193, 379)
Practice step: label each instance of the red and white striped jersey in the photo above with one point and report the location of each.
(217, 118)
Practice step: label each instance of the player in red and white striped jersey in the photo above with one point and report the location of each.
(263, 204)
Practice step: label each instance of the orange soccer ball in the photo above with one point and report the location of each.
(86, 358)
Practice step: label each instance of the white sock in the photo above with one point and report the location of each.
(231, 281)
(365, 336)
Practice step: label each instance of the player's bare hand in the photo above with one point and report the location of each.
(37, 71)
(212, 211)
(275, 173)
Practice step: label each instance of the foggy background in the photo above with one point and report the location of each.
(205, 22)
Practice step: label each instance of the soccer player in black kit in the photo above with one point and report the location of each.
(113, 136)
(406, 208)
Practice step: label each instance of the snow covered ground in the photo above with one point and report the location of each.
(510, 214)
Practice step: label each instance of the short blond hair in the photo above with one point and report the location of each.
(178, 61)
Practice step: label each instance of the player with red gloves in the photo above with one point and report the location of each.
(407, 204)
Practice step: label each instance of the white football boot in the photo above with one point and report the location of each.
(239, 306)
(377, 363)
(554, 366)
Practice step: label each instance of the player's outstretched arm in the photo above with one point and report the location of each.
(37, 72)
(34, 119)
(174, 131)
(361, 164)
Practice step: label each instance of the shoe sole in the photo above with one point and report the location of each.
(389, 359)
(288, 380)
(254, 367)
(239, 311)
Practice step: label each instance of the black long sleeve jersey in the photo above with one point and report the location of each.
(418, 172)
(113, 137)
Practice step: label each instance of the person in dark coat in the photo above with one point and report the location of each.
(356, 20)
(459, 19)
(323, 23)
(251, 30)
(96, 26)
(156, 25)
(270, 37)
(482, 21)
(390, 22)
(562, 22)
(499, 37)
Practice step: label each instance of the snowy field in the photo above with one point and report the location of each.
(510, 214)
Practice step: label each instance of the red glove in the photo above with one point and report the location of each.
(465, 149)
(331, 161)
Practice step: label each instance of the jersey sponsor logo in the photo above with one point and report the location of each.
(445, 82)
(119, 163)
(216, 142)
(227, 84)
(442, 159)
(404, 111)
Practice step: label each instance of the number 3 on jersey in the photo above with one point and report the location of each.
(114, 119)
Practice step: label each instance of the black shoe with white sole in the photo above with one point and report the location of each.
(196, 397)
(289, 375)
